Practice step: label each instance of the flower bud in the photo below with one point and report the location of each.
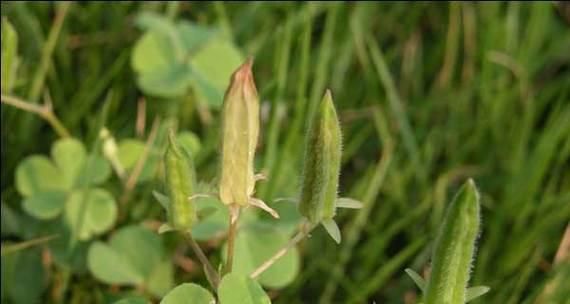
(240, 132)
(322, 164)
(454, 249)
(180, 181)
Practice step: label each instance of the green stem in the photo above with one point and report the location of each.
(306, 228)
(47, 51)
(211, 274)
(43, 111)
(234, 216)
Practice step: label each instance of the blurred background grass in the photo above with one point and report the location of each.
(428, 94)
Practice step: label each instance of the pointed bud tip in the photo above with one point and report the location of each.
(472, 187)
(244, 70)
(327, 100)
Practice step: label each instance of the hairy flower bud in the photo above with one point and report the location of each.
(240, 132)
(322, 164)
(180, 181)
(454, 249)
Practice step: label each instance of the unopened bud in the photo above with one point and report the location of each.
(454, 249)
(322, 164)
(240, 132)
(180, 181)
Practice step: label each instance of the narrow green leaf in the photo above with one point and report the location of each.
(165, 228)
(345, 202)
(420, 282)
(475, 292)
(332, 229)
(162, 199)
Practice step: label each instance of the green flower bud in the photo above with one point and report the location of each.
(454, 249)
(180, 181)
(240, 132)
(322, 164)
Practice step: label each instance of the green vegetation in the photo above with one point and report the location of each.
(428, 95)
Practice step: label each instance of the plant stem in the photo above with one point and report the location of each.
(44, 111)
(47, 51)
(234, 215)
(303, 232)
(211, 274)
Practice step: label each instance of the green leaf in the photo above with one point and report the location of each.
(10, 220)
(240, 289)
(69, 156)
(189, 141)
(207, 212)
(141, 246)
(257, 243)
(45, 205)
(332, 229)
(129, 151)
(96, 170)
(110, 266)
(420, 282)
(135, 300)
(156, 23)
(90, 212)
(212, 225)
(193, 36)
(9, 55)
(188, 293)
(168, 83)
(133, 256)
(475, 292)
(152, 53)
(345, 202)
(215, 63)
(38, 174)
(23, 278)
(161, 279)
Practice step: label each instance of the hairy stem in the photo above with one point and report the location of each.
(234, 216)
(303, 232)
(211, 274)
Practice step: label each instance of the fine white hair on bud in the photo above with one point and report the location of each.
(321, 167)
